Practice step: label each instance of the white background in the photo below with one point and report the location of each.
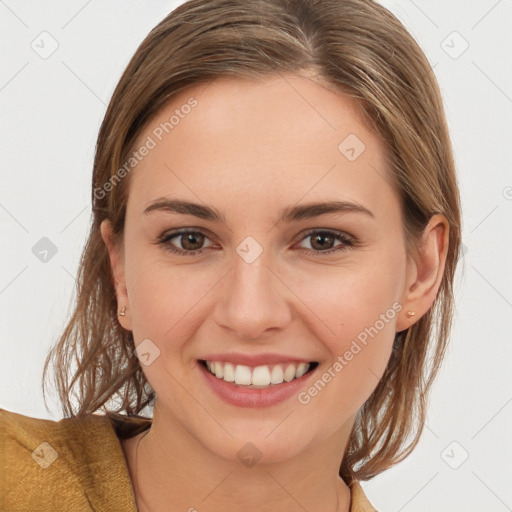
(51, 110)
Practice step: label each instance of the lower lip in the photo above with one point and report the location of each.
(253, 397)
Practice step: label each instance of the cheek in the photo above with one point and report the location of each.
(166, 309)
(347, 299)
(355, 314)
(164, 299)
(358, 354)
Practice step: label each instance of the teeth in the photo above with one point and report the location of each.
(229, 372)
(242, 375)
(276, 377)
(289, 373)
(259, 376)
(219, 367)
(301, 369)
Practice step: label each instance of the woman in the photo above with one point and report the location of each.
(275, 235)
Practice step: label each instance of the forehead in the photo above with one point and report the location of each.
(274, 140)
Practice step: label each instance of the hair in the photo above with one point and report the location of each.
(364, 52)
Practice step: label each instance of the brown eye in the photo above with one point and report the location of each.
(188, 242)
(191, 241)
(324, 242)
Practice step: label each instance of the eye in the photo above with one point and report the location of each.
(191, 241)
(322, 241)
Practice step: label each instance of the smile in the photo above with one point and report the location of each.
(259, 377)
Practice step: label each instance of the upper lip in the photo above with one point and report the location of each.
(254, 359)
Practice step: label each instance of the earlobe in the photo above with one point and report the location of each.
(426, 271)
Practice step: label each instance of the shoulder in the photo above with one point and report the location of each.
(70, 464)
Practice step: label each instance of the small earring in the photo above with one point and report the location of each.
(122, 312)
(411, 313)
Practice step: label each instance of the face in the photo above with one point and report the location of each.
(254, 279)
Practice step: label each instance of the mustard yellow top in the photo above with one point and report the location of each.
(76, 464)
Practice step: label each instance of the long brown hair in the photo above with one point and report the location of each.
(362, 50)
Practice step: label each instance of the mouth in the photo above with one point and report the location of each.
(258, 377)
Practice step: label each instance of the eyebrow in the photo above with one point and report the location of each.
(287, 214)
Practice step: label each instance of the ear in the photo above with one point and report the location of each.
(425, 271)
(116, 256)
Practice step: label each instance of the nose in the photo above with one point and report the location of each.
(254, 299)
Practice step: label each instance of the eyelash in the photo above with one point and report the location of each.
(347, 242)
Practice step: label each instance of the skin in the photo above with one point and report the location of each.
(248, 149)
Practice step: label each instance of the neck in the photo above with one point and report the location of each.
(171, 468)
